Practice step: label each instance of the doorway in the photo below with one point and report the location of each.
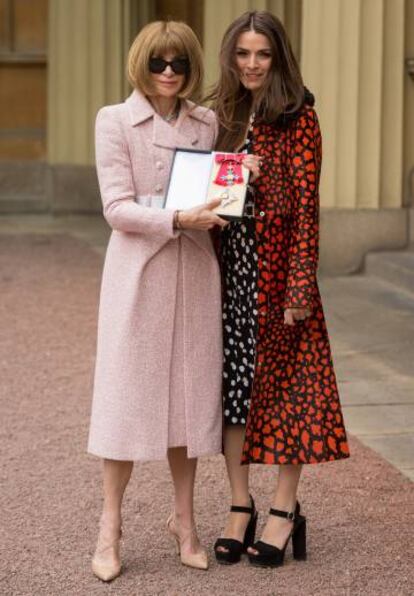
(23, 79)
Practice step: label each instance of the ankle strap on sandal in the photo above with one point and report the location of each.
(239, 509)
(290, 515)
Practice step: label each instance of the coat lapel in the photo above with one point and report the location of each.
(185, 132)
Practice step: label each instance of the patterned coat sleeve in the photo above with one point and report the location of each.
(304, 173)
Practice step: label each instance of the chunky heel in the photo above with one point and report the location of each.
(250, 534)
(299, 540)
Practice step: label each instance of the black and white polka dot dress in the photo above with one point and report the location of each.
(239, 273)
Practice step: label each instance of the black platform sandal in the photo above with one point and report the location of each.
(272, 556)
(235, 548)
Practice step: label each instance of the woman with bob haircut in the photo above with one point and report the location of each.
(281, 403)
(157, 390)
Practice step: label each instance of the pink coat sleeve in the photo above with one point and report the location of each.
(116, 183)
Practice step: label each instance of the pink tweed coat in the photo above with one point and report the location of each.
(159, 353)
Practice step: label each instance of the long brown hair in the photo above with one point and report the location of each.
(281, 95)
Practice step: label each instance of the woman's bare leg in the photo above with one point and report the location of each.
(277, 529)
(239, 482)
(183, 471)
(116, 475)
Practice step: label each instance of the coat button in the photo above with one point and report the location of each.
(158, 188)
(262, 213)
(159, 165)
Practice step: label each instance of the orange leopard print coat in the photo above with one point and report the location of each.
(295, 413)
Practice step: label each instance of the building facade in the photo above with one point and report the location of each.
(60, 61)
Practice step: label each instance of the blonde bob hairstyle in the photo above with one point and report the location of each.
(158, 39)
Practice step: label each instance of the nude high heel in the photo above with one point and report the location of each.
(101, 567)
(196, 560)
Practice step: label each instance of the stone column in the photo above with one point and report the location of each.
(86, 71)
(88, 45)
(353, 60)
(409, 114)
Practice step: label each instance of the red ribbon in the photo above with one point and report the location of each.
(226, 162)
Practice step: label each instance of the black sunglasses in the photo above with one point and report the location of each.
(178, 65)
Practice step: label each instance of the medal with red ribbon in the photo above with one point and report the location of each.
(229, 174)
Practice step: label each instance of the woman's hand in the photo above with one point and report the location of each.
(296, 314)
(252, 163)
(201, 217)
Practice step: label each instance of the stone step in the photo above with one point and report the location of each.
(396, 267)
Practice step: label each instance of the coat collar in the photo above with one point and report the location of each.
(139, 108)
(181, 135)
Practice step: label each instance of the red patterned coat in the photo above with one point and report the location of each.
(295, 414)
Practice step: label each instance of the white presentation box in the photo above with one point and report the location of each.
(197, 177)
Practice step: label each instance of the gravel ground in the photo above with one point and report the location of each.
(360, 511)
